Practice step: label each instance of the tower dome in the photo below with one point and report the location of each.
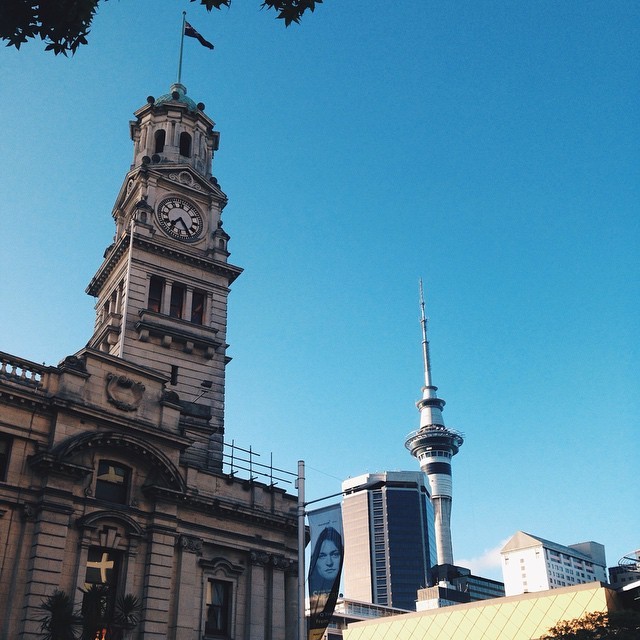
(174, 129)
(177, 93)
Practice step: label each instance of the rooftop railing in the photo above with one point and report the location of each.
(237, 460)
(21, 371)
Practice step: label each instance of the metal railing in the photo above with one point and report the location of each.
(236, 459)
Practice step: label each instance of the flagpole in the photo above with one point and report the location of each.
(184, 19)
(302, 622)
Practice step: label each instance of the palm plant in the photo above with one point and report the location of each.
(59, 621)
(100, 616)
(127, 613)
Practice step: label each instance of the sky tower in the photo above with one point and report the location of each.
(433, 445)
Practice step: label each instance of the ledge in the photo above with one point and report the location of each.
(170, 329)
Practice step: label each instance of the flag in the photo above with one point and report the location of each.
(327, 555)
(192, 33)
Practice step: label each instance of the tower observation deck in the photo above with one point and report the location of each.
(434, 444)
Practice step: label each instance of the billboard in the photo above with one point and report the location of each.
(325, 567)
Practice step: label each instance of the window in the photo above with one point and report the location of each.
(112, 483)
(101, 567)
(185, 144)
(218, 608)
(160, 138)
(156, 287)
(5, 450)
(177, 301)
(197, 307)
(100, 588)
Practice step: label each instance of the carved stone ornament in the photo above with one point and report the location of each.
(74, 363)
(259, 558)
(184, 177)
(28, 512)
(280, 562)
(190, 544)
(123, 392)
(262, 559)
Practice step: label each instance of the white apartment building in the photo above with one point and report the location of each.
(530, 563)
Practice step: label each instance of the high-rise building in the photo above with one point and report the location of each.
(627, 571)
(530, 563)
(389, 538)
(113, 473)
(433, 444)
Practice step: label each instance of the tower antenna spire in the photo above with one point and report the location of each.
(434, 444)
(425, 341)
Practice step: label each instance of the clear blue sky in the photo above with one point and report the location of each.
(490, 147)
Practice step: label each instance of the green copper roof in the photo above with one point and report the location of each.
(177, 93)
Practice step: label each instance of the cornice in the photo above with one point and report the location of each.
(158, 325)
(112, 257)
(45, 462)
(108, 421)
(229, 510)
(116, 252)
(32, 399)
(202, 262)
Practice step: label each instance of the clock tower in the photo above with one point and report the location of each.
(163, 285)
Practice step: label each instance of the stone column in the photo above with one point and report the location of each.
(45, 567)
(188, 302)
(279, 601)
(257, 596)
(187, 615)
(291, 601)
(157, 584)
(271, 616)
(166, 298)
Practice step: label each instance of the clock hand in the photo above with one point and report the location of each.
(175, 222)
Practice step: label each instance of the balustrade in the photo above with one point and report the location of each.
(21, 371)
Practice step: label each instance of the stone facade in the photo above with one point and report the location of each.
(113, 467)
(170, 531)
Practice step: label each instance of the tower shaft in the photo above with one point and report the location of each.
(433, 444)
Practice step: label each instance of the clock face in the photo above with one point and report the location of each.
(179, 218)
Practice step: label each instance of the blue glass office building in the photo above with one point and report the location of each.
(389, 538)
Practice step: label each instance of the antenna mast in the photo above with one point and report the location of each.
(425, 342)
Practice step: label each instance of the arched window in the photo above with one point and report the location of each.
(160, 138)
(185, 144)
